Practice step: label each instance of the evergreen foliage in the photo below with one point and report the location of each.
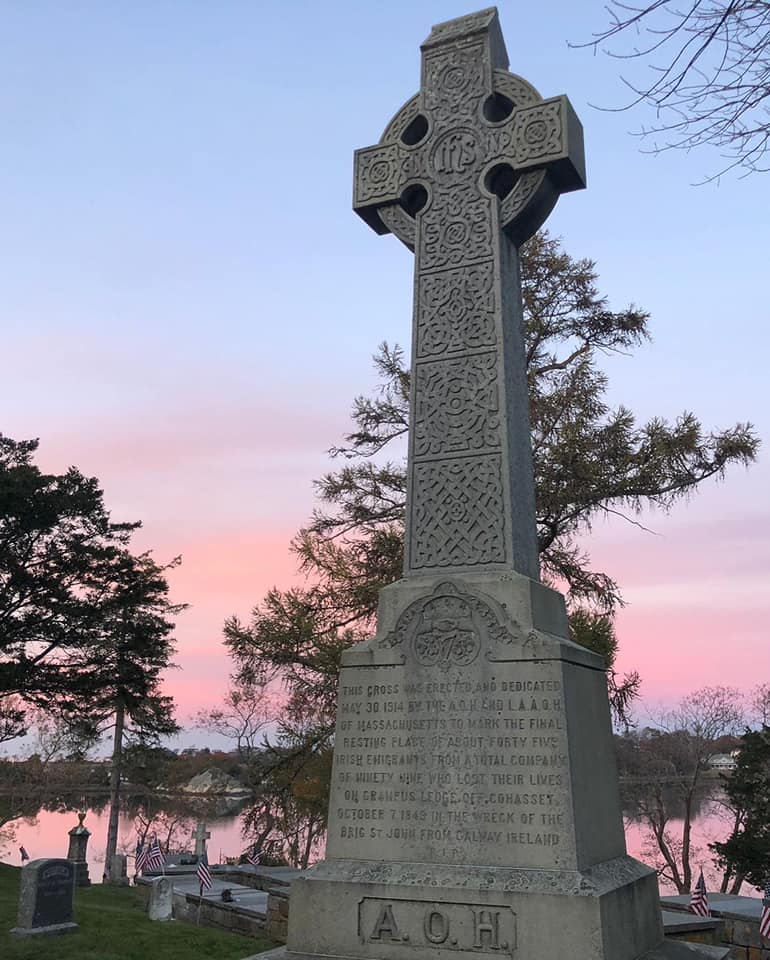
(590, 461)
(745, 854)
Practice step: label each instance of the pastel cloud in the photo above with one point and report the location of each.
(697, 598)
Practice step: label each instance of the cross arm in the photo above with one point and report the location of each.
(547, 134)
(381, 175)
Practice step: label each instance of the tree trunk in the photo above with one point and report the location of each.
(686, 840)
(117, 758)
(735, 889)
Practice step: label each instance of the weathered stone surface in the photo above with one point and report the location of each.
(471, 499)
(117, 874)
(455, 748)
(45, 898)
(78, 851)
(161, 902)
(201, 835)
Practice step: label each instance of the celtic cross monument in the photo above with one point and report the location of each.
(474, 808)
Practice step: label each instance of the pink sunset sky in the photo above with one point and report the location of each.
(189, 304)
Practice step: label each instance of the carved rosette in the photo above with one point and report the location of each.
(457, 406)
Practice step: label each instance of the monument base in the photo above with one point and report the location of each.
(370, 910)
(666, 950)
(50, 930)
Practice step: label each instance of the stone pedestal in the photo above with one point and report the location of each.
(474, 803)
(77, 851)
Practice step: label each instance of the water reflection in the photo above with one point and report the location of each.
(43, 831)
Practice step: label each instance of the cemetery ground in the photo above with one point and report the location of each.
(114, 926)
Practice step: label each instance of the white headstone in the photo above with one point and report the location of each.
(161, 898)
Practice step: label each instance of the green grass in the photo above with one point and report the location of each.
(114, 926)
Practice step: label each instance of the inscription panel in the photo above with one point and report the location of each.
(439, 764)
(472, 928)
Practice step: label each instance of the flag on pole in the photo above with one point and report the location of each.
(24, 854)
(204, 874)
(141, 857)
(699, 901)
(155, 858)
(253, 856)
(764, 923)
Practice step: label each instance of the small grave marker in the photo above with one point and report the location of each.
(161, 898)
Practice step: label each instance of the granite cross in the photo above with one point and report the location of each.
(466, 171)
(474, 808)
(200, 836)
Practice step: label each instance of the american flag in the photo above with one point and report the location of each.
(204, 874)
(142, 856)
(253, 856)
(764, 923)
(699, 901)
(155, 858)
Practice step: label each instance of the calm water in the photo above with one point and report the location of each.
(45, 835)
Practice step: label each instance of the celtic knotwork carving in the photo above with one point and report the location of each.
(399, 223)
(449, 627)
(536, 133)
(457, 409)
(378, 174)
(519, 91)
(401, 120)
(456, 228)
(456, 310)
(458, 513)
(437, 179)
(453, 83)
(523, 193)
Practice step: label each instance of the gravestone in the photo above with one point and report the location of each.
(200, 836)
(474, 803)
(78, 846)
(117, 874)
(45, 898)
(160, 906)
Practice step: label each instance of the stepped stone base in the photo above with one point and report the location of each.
(666, 950)
(474, 804)
(376, 910)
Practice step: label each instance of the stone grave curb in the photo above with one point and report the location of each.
(53, 930)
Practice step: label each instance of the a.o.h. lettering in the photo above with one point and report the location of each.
(385, 926)
(486, 929)
(435, 926)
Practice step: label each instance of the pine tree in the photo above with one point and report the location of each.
(589, 461)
